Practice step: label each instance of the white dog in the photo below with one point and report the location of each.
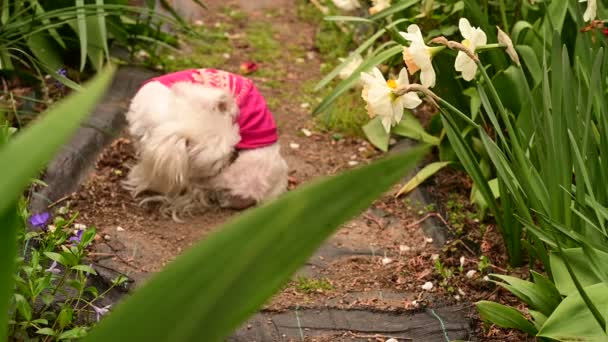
(204, 137)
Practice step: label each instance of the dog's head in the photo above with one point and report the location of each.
(203, 104)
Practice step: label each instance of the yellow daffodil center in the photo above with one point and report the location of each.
(466, 43)
(391, 84)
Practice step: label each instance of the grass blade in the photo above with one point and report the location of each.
(8, 251)
(103, 32)
(422, 175)
(82, 32)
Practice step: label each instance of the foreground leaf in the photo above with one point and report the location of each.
(572, 320)
(207, 292)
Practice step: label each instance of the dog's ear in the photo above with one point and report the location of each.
(224, 103)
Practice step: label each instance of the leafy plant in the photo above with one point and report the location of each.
(41, 36)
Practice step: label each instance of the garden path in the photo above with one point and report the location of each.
(365, 281)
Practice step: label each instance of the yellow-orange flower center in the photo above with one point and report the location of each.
(391, 84)
(466, 43)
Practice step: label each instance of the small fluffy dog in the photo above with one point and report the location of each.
(204, 137)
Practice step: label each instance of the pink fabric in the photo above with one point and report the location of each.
(256, 123)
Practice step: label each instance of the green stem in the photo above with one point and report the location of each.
(503, 15)
(489, 47)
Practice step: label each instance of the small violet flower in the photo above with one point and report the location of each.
(61, 72)
(76, 238)
(100, 311)
(53, 268)
(40, 220)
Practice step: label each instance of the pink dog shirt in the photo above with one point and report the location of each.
(257, 126)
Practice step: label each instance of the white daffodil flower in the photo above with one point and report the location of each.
(382, 102)
(347, 5)
(348, 70)
(591, 11)
(418, 56)
(379, 5)
(473, 37)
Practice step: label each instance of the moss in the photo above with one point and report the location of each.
(310, 285)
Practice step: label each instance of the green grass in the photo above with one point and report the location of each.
(261, 37)
(312, 285)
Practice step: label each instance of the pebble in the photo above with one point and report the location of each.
(427, 286)
(353, 163)
(404, 248)
(294, 146)
(392, 340)
(226, 55)
(198, 23)
(471, 273)
(300, 60)
(306, 132)
(107, 237)
(353, 157)
(310, 55)
(120, 229)
(386, 261)
(79, 226)
(305, 105)
(428, 240)
(434, 257)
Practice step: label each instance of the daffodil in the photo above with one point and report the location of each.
(418, 56)
(473, 37)
(591, 11)
(379, 5)
(382, 102)
(347, 5)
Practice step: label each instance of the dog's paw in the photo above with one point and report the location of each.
(225, 199)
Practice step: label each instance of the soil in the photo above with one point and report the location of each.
(379, 260)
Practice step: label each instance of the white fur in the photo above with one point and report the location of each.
(185, 137)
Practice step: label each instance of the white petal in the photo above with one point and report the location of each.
(591, 11)
(427, 77)
(465, 28)
(461, 60)
(386, 123)
(398, 110)
(413, 34)
(403, 79)
(478, 38)
(411, 100)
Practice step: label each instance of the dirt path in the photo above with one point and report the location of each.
(377, 261)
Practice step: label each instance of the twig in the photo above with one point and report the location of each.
(377, 336)
(374, 219)
(59, 201)
(437, 215)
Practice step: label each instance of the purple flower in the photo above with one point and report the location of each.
(76, 238)
(100, 311)
(40, 220)
(62, 72)
(53, 268)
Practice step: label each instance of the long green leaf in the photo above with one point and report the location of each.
(348, 18)
(82, 33)
(504, 316)
(422, 175)
(8, 250)
(32, 148)
(205, 293)
(534, 295)
(572, 320)
(103, 32)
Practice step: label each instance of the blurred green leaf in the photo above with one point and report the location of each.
(410, 127)
(247, 260)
